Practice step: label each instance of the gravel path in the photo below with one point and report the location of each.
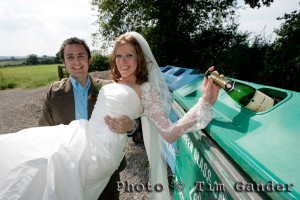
(20, 109)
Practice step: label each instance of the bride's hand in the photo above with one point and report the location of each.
(210, 90)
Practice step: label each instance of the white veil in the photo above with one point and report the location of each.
(152, 139)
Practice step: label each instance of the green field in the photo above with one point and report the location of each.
(28, 76)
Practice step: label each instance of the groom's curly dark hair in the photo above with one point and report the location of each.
(141, 72)
(73, 40)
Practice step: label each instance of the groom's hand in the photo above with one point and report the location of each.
(121, 124)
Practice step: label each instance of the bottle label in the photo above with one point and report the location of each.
(260, 102)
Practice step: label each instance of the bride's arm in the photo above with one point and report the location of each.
(195, 119)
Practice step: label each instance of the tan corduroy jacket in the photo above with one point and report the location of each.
(59, 106)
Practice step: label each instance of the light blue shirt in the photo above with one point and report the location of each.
(80, 98)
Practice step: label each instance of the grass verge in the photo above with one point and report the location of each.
(28, 76)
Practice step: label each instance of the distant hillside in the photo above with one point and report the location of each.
(16, 62)
(6, 61)
(10, 57)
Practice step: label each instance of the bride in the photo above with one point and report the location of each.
(78, 163)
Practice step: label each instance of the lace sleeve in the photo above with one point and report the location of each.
(195, 119)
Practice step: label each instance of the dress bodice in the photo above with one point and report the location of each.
(115, 100)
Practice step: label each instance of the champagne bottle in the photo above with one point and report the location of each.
(243, 94)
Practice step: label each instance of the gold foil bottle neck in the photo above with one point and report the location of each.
(224, 83)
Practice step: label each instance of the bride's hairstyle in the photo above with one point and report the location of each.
(141, 72)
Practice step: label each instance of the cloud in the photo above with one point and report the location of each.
(39, 27)
(264, 19)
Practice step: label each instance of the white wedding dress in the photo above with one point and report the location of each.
(67, 162)
(75, 161)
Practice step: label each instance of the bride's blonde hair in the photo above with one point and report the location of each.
(141, 72)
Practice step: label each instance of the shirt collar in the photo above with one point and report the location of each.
(77, 85)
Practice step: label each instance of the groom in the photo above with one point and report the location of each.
(68, 100)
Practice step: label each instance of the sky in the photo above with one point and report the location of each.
(261, 20)
(40, 26)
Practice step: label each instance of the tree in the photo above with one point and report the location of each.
(245, 61)
(99, 63)
(169, 26)
(173, 29)
(257, 3)
(57, 58)
(284, 58)
(32, 60)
